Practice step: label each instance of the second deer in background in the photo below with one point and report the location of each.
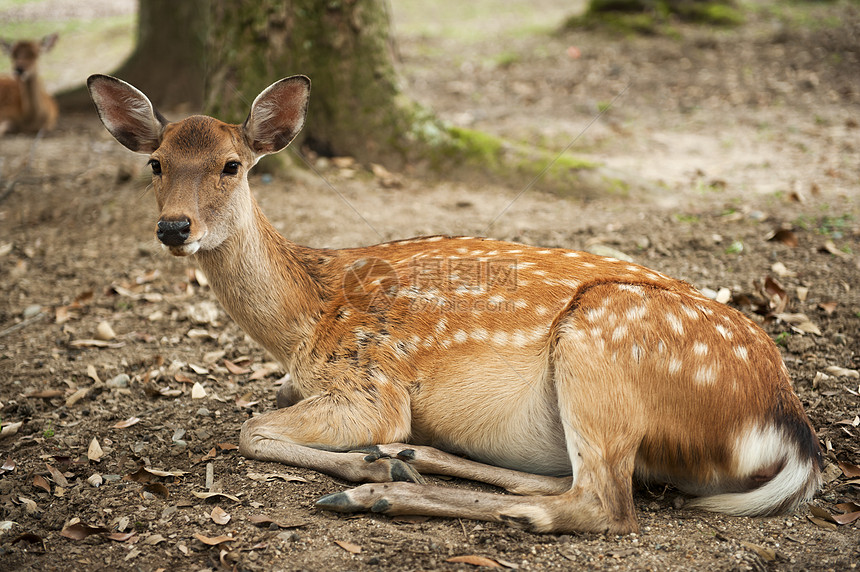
(25, 104)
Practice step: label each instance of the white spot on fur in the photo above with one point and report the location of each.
(706, 374)
(619, 332)
(689, 312)
(571, 254)
(700, 349)
(675, 365)
(741, 352)
(636, 289)
(460, 336)
(637, 352)
(541, 310)
(589, 265)
(519, 338)
(480, 335)
(675, 323)
(595, 314)
(724, 331)
(500, 337)
(636, 313)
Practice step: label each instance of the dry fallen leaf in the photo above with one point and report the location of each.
(120, 536)
(41, 482)
(10, 429)
(95, 344)
(475, 560)
(157, 489)
(127, 423)
(105, 332)
(349, 546)
(219, 516)
(197, 391)
(842, 371)
(57, 476)
(207, 496)
(213, 540)
(766, 554)
(79, 531)
(830, 247)
(153, 539)
(30, 505)
(94, 451)
(785, 236)
(235, 369)
(849, 470)
(821, 523)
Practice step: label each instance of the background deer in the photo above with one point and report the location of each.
(560, 374)
(25, 105)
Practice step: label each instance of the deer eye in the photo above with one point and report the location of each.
(231, 168)
(155, 164)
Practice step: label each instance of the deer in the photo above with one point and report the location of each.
(25, 104)
(557, 375)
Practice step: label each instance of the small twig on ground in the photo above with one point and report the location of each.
(5, 192)
(23, 324)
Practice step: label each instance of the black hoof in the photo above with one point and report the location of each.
(338, 502)
(400, 471)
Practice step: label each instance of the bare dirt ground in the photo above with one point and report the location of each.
(744, 132)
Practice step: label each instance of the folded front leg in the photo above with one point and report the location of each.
(310, 433)
(429, 460)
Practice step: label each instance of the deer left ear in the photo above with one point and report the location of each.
(48, 42)
(277, 115)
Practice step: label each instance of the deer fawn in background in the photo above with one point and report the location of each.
(560, 375)
(25, 105)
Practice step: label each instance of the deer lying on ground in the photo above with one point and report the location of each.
(25, 105)
(560, 375)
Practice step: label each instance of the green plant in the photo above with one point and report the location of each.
(782, 338)
(48, 432)
(736, 247)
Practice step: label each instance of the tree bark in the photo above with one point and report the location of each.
(356, 108)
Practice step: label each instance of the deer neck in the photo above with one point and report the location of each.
(270, 286)
(32, 94)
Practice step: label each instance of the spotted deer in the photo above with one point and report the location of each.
(25, 105)
(555, 374)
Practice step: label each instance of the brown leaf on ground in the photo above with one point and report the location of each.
(475, 560)
(219, 515)
(235, 369)
(127, 423)
(79, 531)
(157, 489)
(213, 540)
(849, 470)
(785, 236)
(208, 496)
(349, 546)
(41, 482)
(57, 476)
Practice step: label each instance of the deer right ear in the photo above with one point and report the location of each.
(277, 115)
(127, 113)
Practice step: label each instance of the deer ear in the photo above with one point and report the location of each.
(277, 115)
(49, 41)
(126, 113)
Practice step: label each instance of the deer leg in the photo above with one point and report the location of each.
(313, 432)
(429, 460)
(578, 510)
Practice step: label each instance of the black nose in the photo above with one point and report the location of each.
(173, 232)
(19, 71)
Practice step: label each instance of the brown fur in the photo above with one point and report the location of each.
(25, 105)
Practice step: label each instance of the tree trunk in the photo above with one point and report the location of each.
(169, 60)
(344, 47)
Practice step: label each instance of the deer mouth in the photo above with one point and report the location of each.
(184, 249)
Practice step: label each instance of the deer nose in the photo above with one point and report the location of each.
(173, 232)
(19, 70)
